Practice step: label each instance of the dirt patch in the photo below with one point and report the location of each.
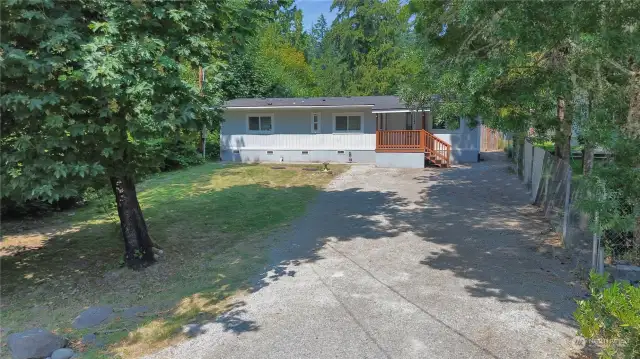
(31, 239)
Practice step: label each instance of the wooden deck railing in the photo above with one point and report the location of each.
(413, 141)
(439, 148)
(400, 141)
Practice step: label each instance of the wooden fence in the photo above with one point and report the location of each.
(491, 140)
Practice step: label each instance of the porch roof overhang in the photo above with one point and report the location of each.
(397, 110)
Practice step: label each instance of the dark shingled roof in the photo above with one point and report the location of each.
(378, 102)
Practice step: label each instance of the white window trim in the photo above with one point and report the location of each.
(361, 114)
(319, 122)
(273, 122)
(460, 128)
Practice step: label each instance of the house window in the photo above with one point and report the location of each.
(260, 123)
(408, 121)
(315, 123)
(348, 123)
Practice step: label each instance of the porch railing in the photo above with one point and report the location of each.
(413, 141)
(437, 147)
(400, 140)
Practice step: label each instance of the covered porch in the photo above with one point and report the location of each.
(414, 138)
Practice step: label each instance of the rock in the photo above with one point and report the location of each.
(629, 273)
(62, 353)
(34, 343)
(92, 317)
(133, 311)
(191, 330)
(89, 339)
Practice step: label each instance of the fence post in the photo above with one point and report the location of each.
(600, 260)
(530, 184)
(567, 206)
(595, 255)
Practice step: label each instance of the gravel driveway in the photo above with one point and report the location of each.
(405, 263)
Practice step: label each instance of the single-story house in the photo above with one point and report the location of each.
(378, 130)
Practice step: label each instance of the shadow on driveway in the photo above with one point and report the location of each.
(479, 213)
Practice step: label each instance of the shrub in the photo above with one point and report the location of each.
(16, 209)
(509, 150)
(180, 154)
(213, 145)
(611, 317)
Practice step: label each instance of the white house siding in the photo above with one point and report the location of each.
(292, 140)
(301, 142)
(465, 141)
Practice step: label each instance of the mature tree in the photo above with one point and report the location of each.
(244, 78)
(318, 32)
(527, 64)
(89, 88)
(367, 40)
(278, 54)
(319, 29)
(614, 54)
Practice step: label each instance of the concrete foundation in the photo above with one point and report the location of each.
(400, 160)
(346, 156)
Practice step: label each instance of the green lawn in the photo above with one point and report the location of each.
(548, 146)
(211, 222)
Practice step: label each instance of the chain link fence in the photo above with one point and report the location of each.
(556, 190)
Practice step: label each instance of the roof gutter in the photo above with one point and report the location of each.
(399, 111)
(293, 107)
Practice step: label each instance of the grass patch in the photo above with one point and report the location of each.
(211, 222)
(548, 146)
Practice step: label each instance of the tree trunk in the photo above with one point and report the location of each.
(588, 152)
(138, 246)
(587, 159)
(563, 134)
(636, 234)
(632, 128)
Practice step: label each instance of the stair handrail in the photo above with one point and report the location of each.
(447, 147)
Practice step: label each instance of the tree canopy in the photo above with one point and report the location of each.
(91, 88)
(562, 69)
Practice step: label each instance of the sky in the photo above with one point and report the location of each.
(311, 10)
